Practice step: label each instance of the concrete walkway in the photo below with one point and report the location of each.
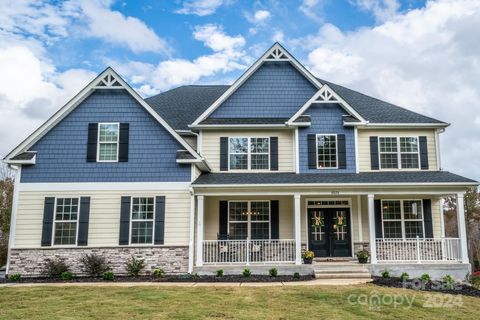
(315, 282)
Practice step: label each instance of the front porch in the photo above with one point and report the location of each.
(278, 235)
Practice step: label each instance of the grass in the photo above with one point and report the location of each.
(223, 303)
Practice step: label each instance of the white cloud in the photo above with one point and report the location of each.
(258, 17)
(200, 7)
(311, 8)
(382, 10)
(215, 38)
(425, 59)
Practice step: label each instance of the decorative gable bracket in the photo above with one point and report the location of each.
(109, 81)
(277, 54)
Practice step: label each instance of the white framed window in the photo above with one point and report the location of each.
(249, 219)
(142, 217)
(108, 138)
(399, 152)
(65, 221)
(249, 153)
(327, 151)
(402, 219)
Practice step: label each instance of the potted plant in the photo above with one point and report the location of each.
(362, 256)
(308, 257)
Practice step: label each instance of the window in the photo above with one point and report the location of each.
(142, 218)
(326, 151)
(249, 153)
(399, 152)
(249, 219)
(402, 218)
(65, 221)
(108, 134)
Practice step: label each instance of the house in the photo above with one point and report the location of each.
(248, 174)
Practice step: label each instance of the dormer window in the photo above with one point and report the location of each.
(108, 138)
(249, 153)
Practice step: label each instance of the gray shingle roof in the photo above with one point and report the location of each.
(184, 155)
(27, 155)
(244, 121)
(329, 178)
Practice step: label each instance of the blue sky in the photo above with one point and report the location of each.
(423, 55)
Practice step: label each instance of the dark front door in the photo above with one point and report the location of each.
(329, 232)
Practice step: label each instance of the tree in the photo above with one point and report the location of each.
(472, 220)
(6, 199)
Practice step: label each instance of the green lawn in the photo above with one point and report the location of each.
(225, 303)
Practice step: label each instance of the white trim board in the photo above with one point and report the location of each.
(104, 186)
(113, 78)
(276, 51)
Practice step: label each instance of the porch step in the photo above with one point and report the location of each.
(341, 270)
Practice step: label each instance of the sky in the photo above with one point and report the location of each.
(422, 55)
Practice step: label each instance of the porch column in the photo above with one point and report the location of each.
(462, 231)
(298, 240)
(371, 225)
(200, 207)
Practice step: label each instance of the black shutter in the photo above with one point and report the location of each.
(92, 142)
(274, 153)
(374, 153)
(423, 153)
(342, 152)
(378, 219)
(159, 220)
(312, 151)
(223, 153)
(274, 219)
(123, 142)
(48, 209)
(427, 217)
(83, 221)
(223, 220)
(124, 221)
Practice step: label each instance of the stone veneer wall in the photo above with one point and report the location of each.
(29, 262)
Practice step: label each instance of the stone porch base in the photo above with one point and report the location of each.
(29, 262)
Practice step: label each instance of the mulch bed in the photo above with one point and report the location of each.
(168, 278)
(432, 286)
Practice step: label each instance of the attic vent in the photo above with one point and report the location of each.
(109, 81)
(325, 96)
(277, 54)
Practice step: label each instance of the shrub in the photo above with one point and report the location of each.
(219, 273)
(246, 273)
(404, 276)
(94, 265)
(449, 281)
(53, 268)
(385, 274)
(195, 276)
(273, 272)
(67, 275)
(425, 277)
(475, 279)
(134, 266)
(109, 276)
(296, 275)
(159, 273)
(15, 277)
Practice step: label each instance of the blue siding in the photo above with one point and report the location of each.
(275, 90)
(326, 118)
(62, 152)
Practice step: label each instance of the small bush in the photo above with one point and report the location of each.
(425, 277)
(404, 276)
(449, 281)
(474, 279)
(67, 275)
(109, 276)
(159, 273)
(195, 276)
(385, 274)
(296, 275)
(219, 273)
(15, 277)
(246, 273)
(134, 266)
(273, 272)
(53, 268)
(94, 265)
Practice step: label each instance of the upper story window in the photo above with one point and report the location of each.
(108, 138)
(249, 153)
(249, 219)
(327, 155)
(142, 218)
(66, 221)
(399, 153)
(402, 218)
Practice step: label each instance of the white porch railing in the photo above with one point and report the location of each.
(248, 251)
(419, 250)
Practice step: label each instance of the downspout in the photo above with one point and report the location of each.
(13, 219)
